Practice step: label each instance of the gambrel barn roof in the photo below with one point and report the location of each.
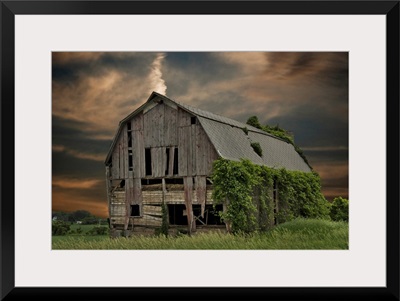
(229, 139)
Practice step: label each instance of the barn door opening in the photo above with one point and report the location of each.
(177, 214)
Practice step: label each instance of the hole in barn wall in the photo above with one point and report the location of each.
(135, 210)
(167, 165)
(175, 171)
(147, 156)
(176, 214)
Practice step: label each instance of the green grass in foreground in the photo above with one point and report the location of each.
(300, 234)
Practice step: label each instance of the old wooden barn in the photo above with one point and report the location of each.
(163, 153)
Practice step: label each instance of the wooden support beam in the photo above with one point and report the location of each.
(188, 190)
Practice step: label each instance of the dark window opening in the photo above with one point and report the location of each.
(128, 124)
(167, 164)
(211, 215)
(174, 181)
(177, 214)
(151, 181)
(147, 159)
(135, 210)
(129, 139)
(192, 120)
(175, 171)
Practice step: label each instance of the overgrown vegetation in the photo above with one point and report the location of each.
(247, 189)
(339, 210)
(277, 132)
(299, 234)
(257, 148)
(60, 227)
(164, 223)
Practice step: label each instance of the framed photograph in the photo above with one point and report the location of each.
(85, 82)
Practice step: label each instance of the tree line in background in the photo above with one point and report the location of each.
(80, 216)
(62, 221)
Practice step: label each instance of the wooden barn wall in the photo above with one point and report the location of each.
(158, 161)
(196, 153)
(160, 128)
(120, 156)
(154, 127)
(138, 147)
(170, 126)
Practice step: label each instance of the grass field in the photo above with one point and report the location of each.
(85, 228)
(300, 234)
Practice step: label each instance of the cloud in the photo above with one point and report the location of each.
(100, 89)
(77, 154)
(71, 200)
(325, 148)
(63, 58)
(75, 183)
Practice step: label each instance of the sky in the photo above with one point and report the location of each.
(303, 92)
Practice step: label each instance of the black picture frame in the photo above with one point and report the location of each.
(9, 9)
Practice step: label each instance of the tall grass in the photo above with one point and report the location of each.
(300, 234)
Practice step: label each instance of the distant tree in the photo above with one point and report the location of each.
(90, 220)
(60, 227)
(79, 215)
(61, 216)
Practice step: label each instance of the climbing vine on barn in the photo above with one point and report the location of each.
(247, 191)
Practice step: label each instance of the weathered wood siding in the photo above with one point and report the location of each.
(138, 153)
(154, 127)
(201, 192)
(163, 128)
(170, 126)
(120, 156)
(158, 161)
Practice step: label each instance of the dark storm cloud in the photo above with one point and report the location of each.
(314, 127)
(73, 135)
(190, 71)
(72, 166)
(321, 66)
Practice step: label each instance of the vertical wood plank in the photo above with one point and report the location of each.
(128, 201)
(184, 118)
(170, 126)
(188, 189)
(108, 190)
(171, 161)
(147, 131)
(137, 122)
(201, 192)
(137, 192)
(129, 190)
(138, 154)
(125, 151)
(154, 126)
(158, 161)
(115, 162)
(121, 160)
(183, 151)
(194, 143)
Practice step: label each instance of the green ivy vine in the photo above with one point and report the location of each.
(247, 191)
